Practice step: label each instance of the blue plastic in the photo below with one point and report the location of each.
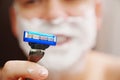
(39, 38)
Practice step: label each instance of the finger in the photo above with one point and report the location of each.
(13, 70)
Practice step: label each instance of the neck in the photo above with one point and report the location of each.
(75, 72)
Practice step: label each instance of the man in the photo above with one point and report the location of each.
(75, 23)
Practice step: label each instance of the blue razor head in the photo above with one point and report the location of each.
(39, 38)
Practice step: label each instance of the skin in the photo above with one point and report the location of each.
(99, 66)
(24, 70)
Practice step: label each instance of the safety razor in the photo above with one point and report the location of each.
(38, 43)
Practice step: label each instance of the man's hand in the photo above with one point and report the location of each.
(19, 70)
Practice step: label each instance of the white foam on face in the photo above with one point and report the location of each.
(82, 30)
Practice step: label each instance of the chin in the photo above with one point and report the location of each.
(62, 57)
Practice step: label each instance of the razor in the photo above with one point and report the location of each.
(38, 43)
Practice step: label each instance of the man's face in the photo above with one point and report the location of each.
(72, 21)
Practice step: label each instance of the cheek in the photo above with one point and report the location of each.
(77, 11)
(30, 13)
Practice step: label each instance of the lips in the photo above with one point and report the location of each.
(62, 39)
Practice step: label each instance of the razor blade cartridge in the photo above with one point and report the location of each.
(39, 38)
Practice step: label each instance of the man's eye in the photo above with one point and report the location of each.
(32, 1)
(73, 2)
(29, 3)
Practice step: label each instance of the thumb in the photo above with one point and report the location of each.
(13, 70)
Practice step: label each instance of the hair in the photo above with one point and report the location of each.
(9, 48)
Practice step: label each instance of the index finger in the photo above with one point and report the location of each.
(13, 70)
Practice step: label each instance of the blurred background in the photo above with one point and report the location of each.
(9, 49)
(109, 36)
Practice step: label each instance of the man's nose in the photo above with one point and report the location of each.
(53, 11)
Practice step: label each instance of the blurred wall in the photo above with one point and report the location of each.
(9, 49)
(109, 35)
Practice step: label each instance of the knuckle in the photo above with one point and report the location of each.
(8, 65)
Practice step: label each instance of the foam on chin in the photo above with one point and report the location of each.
(82, 30)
